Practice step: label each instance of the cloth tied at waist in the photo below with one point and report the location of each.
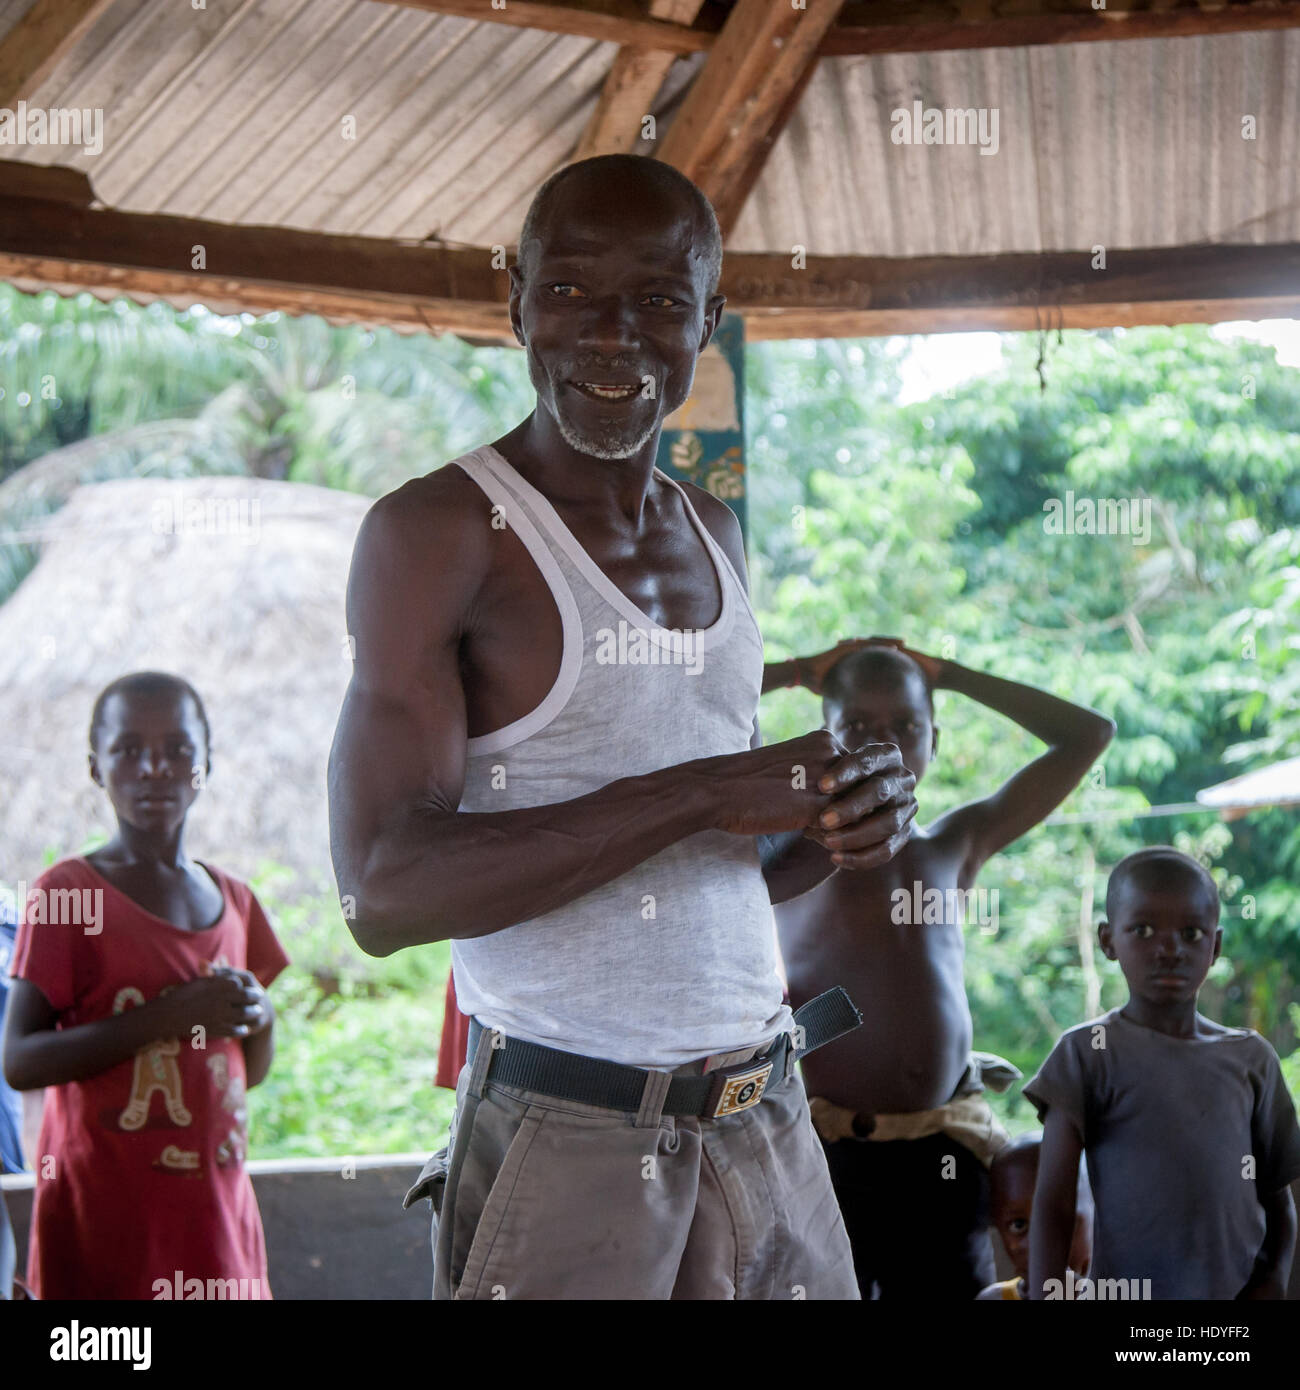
(967, 1118)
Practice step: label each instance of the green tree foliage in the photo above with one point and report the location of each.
(74, 368)
(926, 521)
(93, 391)
(301, 400)
(935, 522)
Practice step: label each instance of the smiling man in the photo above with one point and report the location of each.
(600, 837)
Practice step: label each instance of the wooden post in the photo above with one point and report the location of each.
(703, 441)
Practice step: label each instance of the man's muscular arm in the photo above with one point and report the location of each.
(411, 868)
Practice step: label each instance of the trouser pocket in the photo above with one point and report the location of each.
(432, 1182)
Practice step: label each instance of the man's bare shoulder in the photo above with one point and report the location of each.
(447, 495)
(722, 523)
(423, 556)
(442, 517)
(712, 511)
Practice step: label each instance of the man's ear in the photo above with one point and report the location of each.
(516, 294)
(1105, 936)
(92, 763)
(934, 740)
(1218, 944)
(712, 313)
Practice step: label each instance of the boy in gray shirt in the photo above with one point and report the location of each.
(1190, 1134)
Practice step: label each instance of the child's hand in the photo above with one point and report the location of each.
(219, 1003)
(931, 666)
(259, 1012)
(812, 670)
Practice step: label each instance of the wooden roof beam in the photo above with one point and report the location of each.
(870, 28)
(733, 200)
(719, 136)
(35, 46)
(611, 21)
(866, 296)
(630, 89)
(51, 235)
(927, 27)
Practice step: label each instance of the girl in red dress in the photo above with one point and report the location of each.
(140, 1000)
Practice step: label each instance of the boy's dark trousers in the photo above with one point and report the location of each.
(917, 1213)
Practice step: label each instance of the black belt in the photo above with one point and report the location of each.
(593, 1081)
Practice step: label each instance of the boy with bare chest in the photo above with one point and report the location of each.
(897, 1103)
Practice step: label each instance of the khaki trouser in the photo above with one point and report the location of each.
(542, 1198)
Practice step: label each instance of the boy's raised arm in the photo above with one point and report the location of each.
(1076, 736)
(1051, 1221)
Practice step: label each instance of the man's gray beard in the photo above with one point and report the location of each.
(613, 445)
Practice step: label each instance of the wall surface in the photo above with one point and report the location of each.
(327, 1236)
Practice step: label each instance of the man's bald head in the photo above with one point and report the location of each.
(637, 178)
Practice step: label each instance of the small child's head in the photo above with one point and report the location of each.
(878, 694)
(1162, 924)
(149, 743)
(1012, 1176)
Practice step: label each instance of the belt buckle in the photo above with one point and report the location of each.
(739, 1090)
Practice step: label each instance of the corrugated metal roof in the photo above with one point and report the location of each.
(236, 112)
(1278, 784)
(1124, 144)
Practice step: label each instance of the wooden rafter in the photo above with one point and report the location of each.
(612, 21)
(732, 201)
(926, 26)
(761, 56)
(33, 48)
(51, 236)
(850, 296)
(630, 88)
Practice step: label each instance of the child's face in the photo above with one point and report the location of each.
(146, 757)
(888, 710)
(1010, 1203)
(1165, 934)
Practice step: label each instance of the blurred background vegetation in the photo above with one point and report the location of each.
(921, 520)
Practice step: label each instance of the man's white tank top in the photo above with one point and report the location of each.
(676, 959)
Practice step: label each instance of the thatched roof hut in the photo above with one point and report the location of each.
(235, 583)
